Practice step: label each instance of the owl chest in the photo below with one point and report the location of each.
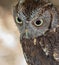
(34, 53)
(31, 53)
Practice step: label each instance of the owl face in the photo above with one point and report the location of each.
(36, 26)
(31, 20)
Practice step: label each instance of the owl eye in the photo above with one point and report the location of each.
(38, 22)
(19, 21)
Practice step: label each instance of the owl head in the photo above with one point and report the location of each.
(35, 17)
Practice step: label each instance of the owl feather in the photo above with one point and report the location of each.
(38, 23)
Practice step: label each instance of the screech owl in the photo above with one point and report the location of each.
(38, 23)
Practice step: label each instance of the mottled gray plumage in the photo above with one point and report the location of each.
(37, 21)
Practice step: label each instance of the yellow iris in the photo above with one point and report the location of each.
(19, 21)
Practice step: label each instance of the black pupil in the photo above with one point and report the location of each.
(38, 22)
(19, 19)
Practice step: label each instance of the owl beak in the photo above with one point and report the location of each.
(26, 33)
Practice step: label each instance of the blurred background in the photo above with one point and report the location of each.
(10, 49)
